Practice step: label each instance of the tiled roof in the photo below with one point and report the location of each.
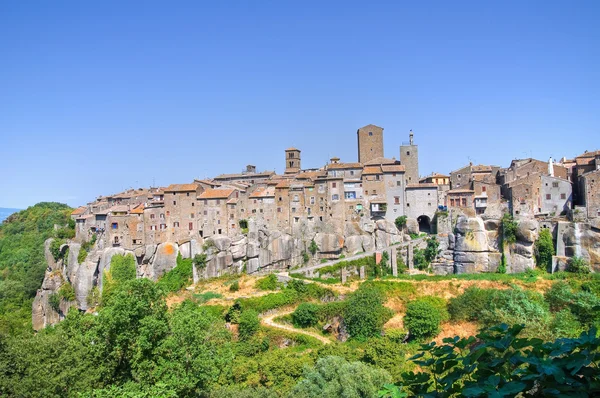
(372, 170)
(457, 191)
(139, 209)
(283, 184)
(310, 175)
(336, 166)
(78, 211)
(181, 187)
(423, 185)
(480, 168)
(263, 193)
(216, 194)
(232, 201)
(119, 209)
(263, 174)
(589, 154)
(397, 168)
(378, 199)
(292, 149)
(380, 161)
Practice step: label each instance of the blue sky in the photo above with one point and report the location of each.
(96, 97)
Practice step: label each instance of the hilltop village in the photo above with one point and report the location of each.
(261, 221)
(328, 198)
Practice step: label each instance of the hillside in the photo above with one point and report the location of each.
(22, 262)
(5, 212)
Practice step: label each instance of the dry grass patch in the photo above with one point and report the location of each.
(460, 329)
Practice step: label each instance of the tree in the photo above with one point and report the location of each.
(305, 315)
(509, 228)
(365, 314)
(334, 377)
(313, 248)
(544, 249)
(423, 319)
(249, 324)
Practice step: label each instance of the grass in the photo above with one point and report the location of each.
(202, 298)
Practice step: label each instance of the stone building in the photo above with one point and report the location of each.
(409, 158)
(394, 185)
(292, 161)
(181, 211)
(213, 217)
(421, 204)
(460, 198)
(370, 143)
(538, 194)
(590, 192)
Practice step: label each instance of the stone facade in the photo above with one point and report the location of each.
(370, 143)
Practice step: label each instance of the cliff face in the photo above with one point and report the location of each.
(260, 250)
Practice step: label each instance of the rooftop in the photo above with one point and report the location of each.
(181, 187)
(216, 194)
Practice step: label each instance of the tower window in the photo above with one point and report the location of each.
(408, 153)
(370, 133)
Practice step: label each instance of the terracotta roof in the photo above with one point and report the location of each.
(380, 161)
(423, 185)
(481, 167)
(589, 154)
(397, 168)
(309, 175)
(283, 184)
(139, 209)
(232, 201)
(292, 149)
(216, 194)
(181, 187)
(370, 125)
(119, 209)
(263, 193)
(86, 217)
(246, 175)
(438, 175)
(335, 166)
(372, 170)
(78, 211)
(460, 191)
(378, 199)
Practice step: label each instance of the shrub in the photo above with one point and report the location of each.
(123, 268)
(93, 297)
(509, 228)
(269, 282)
(305, 257)
(578, 265)
(544, 249)
(234, 287)
(432, 249)
(54, 301)
(177, 278)
(66, 292)
(249, 324)
(313, 248)
(423, 319)
(565, 324)
(82, 255)
(439, 303)
(400, 222)
(559, 296)
(199, 261)
(202, 298)
(470, 305)
(305, 315)
(365, 314)
(55, 248)
(586, 307)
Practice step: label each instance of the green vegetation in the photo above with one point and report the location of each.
(424, 317)
(22, 262)
(424, 257)
(249, 324)
(509, 228)
(544, 249)
(179, 277)
(305, 315)
(82, 255)
(269, 282)
(400, 222)
(313, 248)
(234, 287)
(578, 265)
(365, 314)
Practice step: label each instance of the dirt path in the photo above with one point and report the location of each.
(269, 321)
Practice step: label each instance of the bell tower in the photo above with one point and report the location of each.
(409, 157)
(292, 161)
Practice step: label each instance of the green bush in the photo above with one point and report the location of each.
(82, 255)
(439, 303)
(234, 287)
(305, 315)
(123, 268)
(55, 248)
(565, 324)
(470, 305)
(544, 249)
(269, 282)
(559, 296)
(179, 277)
(578, 265)
(249, 324)
(313, 248)
(54, 301)
(400, 222)
(66, 292)
(365, 314)
(423, 319)
(509, 228)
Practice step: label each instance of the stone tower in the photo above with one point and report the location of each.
(370, 143)
(409, 157)
(292, 161)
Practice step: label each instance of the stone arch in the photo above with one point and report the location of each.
(424, 224)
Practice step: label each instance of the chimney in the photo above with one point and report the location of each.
(550, 167)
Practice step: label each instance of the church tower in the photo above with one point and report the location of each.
(409, 157)
(292, 161)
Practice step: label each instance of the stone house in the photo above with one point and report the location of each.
(421, 204)
(395, 184)
(249, 176)
(538, 194)
(370, 143)
(181, 211)
(213, 212)
(463, 177)
(460, 198)
(590, 183)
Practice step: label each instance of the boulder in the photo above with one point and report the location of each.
(470, 235)
(412, 226)
(527, 231)
(149, 253)
(238, 248)
(165, 259)
(221, 242)
(329, 243)
(387, 226)
(252, 265)
(354, 244)
(252, 249)
(185, 250)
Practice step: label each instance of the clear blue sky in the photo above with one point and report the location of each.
(96, 97)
